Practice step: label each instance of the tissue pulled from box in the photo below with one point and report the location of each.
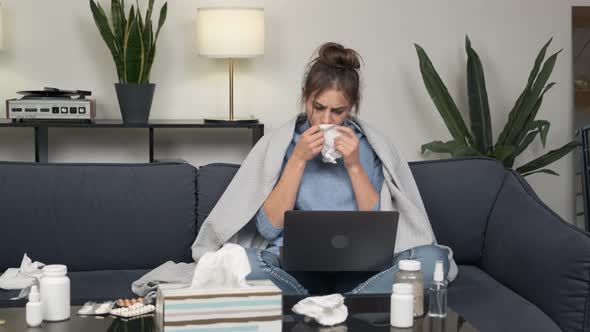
(326, 310)
(329, 154)
(225, 268)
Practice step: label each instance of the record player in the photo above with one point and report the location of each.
(52, 104)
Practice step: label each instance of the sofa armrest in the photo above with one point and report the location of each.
(540, 256)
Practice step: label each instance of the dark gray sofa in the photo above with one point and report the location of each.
(521, 267)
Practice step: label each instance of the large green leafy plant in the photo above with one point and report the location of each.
(518, 133)
(130, 38)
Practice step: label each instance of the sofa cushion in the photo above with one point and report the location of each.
(458, 195)
(212, 181)
(490, 306)
(474, 183)
(97, 216)
(89, 286)
(530, 249)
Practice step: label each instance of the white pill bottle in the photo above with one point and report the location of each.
(55, 293)
(402, 305)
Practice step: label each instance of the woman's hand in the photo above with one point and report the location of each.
(309, 145)
(348, 145)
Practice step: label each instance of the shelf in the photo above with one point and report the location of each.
(42, 140)
(108, 123)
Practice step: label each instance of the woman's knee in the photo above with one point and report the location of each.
(261, 263)
(431, 252)
(258, 269)
(428, 255)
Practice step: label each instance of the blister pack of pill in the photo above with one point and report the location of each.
(129, 302)
(137, 309)
(94, 308)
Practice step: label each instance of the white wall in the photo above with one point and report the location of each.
(55, 43)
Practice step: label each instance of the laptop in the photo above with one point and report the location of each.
(338, 240)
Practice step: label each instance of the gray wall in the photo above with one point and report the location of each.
(55, 43)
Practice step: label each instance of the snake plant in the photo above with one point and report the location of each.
(130, 38)
(521, 129)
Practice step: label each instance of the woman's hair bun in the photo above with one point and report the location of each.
(334, 54)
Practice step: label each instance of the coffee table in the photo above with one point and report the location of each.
(361, 309)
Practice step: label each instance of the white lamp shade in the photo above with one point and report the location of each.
(230, 32)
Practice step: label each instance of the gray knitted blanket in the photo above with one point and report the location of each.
(257, 176)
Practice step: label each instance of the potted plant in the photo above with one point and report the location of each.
(518, 133)
(132, 42)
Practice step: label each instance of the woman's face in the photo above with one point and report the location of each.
(330, 107)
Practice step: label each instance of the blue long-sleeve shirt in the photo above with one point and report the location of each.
(324, 186)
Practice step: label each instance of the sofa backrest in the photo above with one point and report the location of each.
(458, 195)
(97, 216)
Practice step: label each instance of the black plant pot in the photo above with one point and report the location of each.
(135, 101)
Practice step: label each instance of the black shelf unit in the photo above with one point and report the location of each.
(41, 130)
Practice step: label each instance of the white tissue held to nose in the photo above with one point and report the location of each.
(329, 154)
(225, 268)
(327, 310)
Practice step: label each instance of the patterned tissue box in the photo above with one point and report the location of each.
(258, 308)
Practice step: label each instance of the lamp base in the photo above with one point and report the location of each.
(227, 120)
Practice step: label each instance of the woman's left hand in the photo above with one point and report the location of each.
(348, 145)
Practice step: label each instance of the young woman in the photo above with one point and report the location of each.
(330, 95)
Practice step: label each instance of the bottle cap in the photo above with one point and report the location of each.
(409, 265)
(402, 288)
(55, 270)
(34, 294)
(439, 274)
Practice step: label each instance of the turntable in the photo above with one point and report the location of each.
(52, 104)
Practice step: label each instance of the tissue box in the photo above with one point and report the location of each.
(258, 308)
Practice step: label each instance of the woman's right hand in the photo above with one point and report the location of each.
(310, 144)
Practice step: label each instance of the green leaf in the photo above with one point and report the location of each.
(162, 20)
(479, 109)
(123, 18)
(465, 151)
(442, 100)
(138, 14)
(547, 158)
(525, 143)
(538, 62)
(535, 128)
(130, 20)
(544, 170)
(543, 127)
(502, 152)
(102, 23)
(440, 147)
(455, 149)
(533, 114)
(134, 58)
(148, 44)
(118, 27)
(148, 15)
(525, 92)
(531, 101)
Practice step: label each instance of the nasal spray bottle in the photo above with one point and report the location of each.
(437, 293)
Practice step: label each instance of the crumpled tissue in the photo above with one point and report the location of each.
(21, 278)
(329, 154)
(225, 268)
(327, 310)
